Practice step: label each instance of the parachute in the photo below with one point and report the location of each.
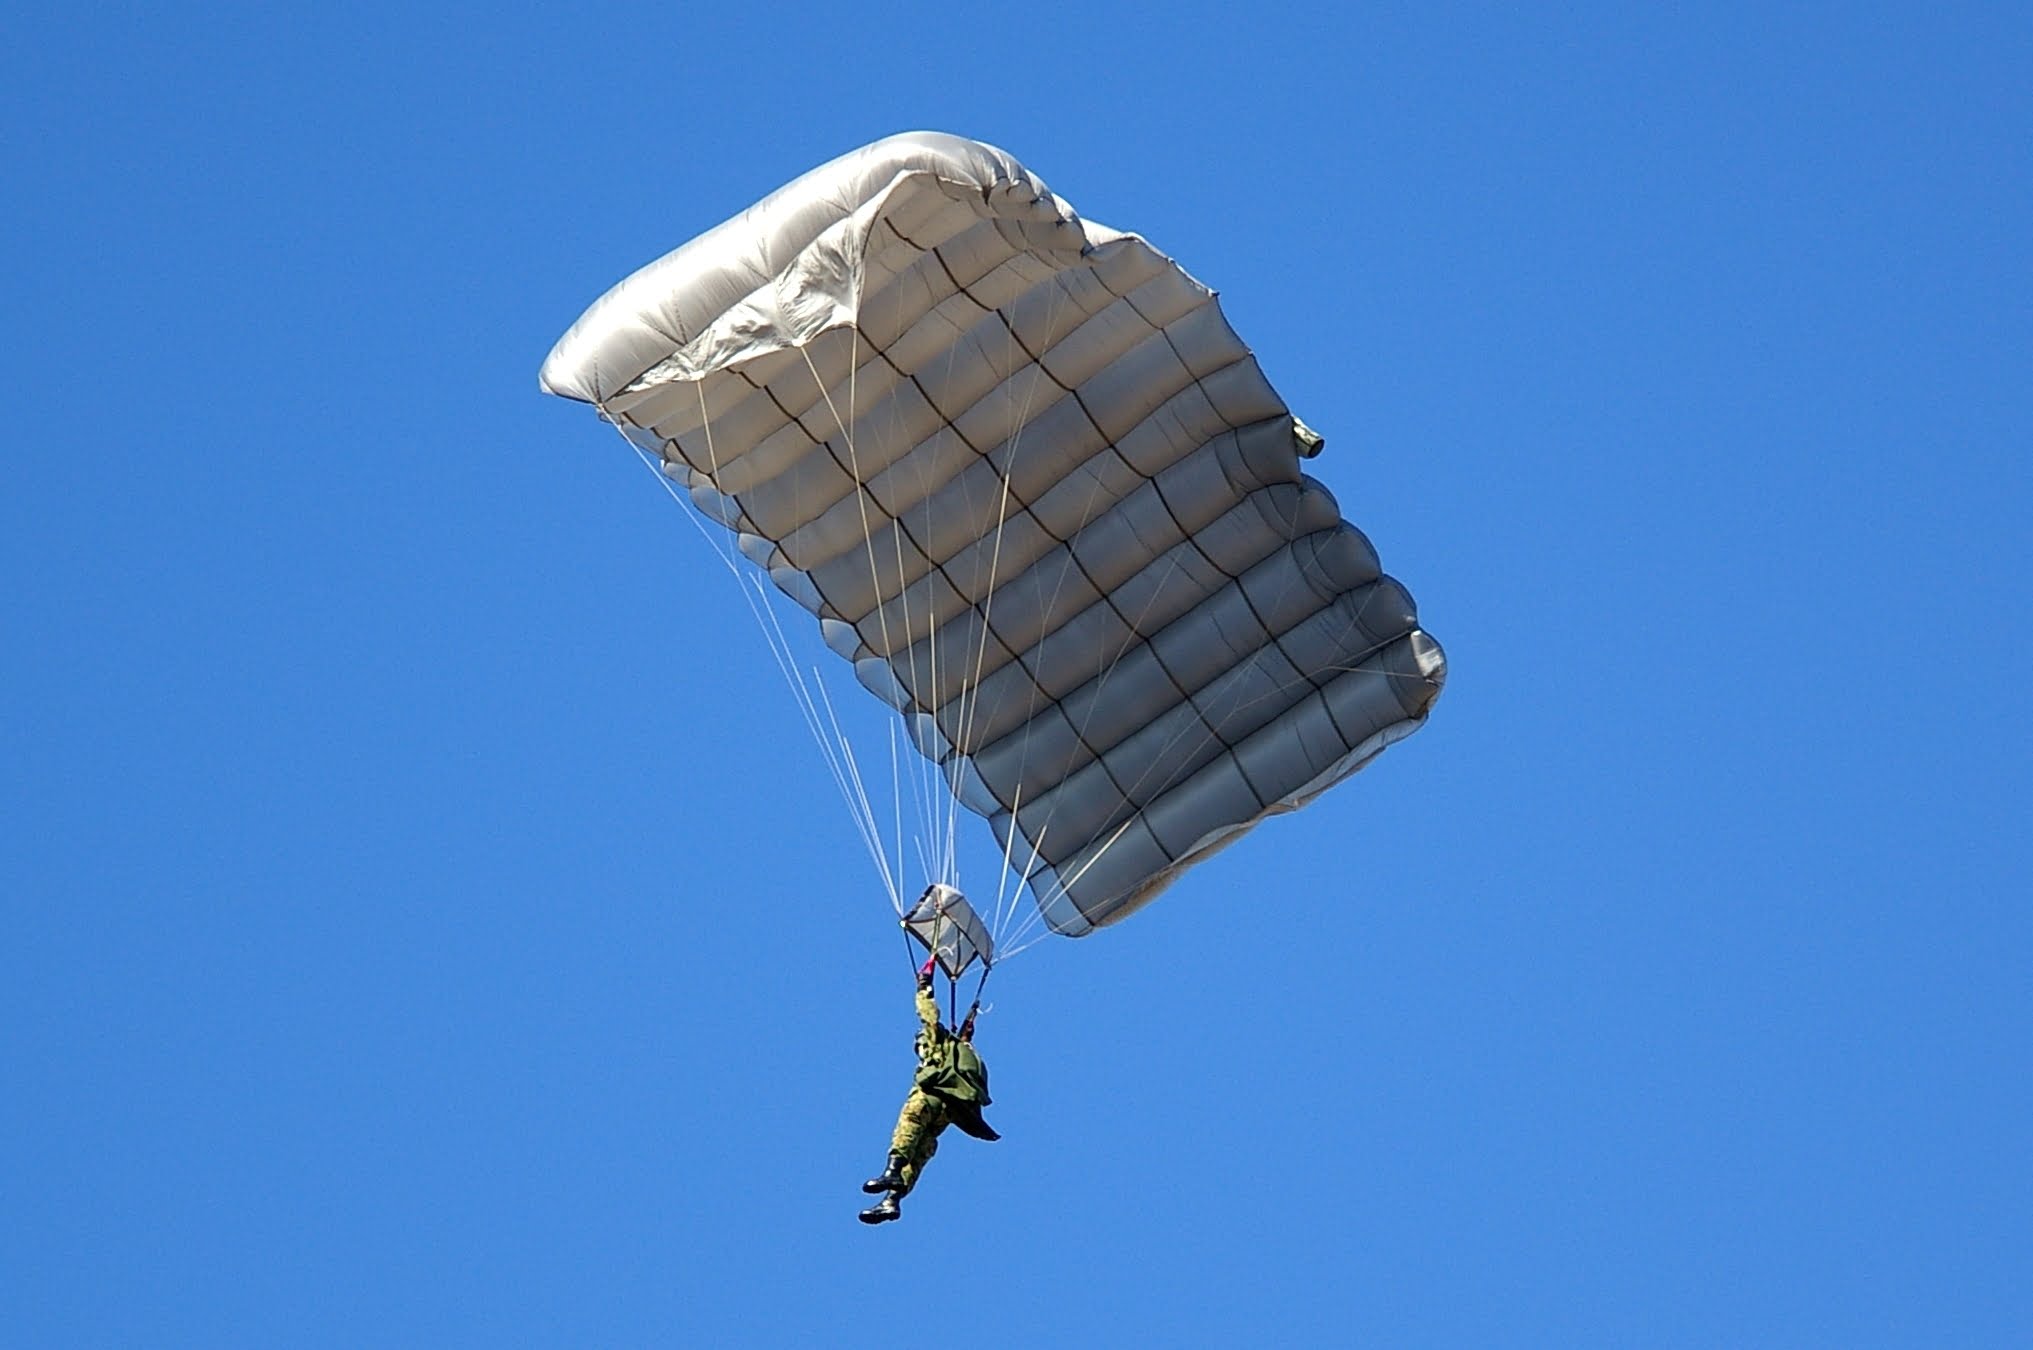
(1031, 484)
(944, 924)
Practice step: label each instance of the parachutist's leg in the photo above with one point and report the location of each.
(916, 1138)
(915, 1141)
(914, 1164)
(911, 1147)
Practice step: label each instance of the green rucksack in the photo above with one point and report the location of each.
(954, 1074)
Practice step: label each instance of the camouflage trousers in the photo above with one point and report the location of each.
(917, 1136)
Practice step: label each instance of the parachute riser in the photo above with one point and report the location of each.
(953, 937)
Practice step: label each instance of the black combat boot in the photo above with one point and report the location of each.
(883, 1211)
(892, 1178)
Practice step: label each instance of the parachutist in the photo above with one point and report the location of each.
(950, 1088)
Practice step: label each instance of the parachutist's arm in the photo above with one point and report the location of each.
(928, 1008)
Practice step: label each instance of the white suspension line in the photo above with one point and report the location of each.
(780, 647)
(1009, 837)
(862, 496)
(765, 616)
(890, 883)
(1037, 910)
(968, 697)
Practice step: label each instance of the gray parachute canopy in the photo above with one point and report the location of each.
(1034, 487)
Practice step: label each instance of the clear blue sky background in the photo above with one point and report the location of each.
(426, 920)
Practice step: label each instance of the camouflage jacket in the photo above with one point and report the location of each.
(949, 1069)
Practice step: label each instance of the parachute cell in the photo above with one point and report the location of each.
(1036, 490)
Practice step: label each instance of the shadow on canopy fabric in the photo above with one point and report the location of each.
(1036, 490)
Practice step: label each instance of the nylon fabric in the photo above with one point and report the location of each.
(1035, 488)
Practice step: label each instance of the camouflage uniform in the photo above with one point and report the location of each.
(917, 1136)
(923, 1116)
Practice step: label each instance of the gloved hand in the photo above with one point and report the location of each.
(925, 972)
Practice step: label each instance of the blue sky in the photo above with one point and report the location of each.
(427, 919)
